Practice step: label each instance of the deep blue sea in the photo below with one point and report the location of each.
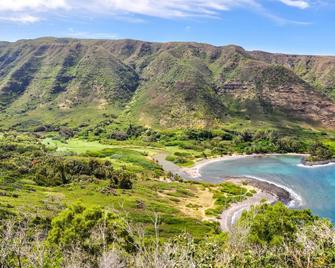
(312, 188)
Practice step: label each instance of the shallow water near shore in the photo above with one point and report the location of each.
(311, 187)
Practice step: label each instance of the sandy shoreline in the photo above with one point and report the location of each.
(194, 171)
(315, 164)
(290, 198)
(231, 215)
(265, 190)
(278, 192)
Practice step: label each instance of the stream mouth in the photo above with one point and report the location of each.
(309, 187)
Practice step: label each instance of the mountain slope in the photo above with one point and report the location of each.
(319, 71)
(166, 85)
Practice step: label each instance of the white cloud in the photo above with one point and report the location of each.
(172, 9)
(164, 8)
(31, 5)
(296, 3)
(28, 11)
(80, 34)
(22, 19)
(121, 8)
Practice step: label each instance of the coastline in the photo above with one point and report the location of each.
(266, 191)
(278, 192)
(287, 196)
(312, 164)
(194, 171)
(263, 195)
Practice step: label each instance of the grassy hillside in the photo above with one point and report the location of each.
(316, 70)
(82, 124)
(162, 85)
(79, 203)
(39, 178)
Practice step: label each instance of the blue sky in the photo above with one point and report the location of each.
(289, 26)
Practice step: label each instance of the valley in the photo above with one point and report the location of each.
(160, 85)
(111, 151)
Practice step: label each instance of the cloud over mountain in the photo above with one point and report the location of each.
(155, 8)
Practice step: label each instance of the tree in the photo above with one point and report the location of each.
(121, 179)
(319, 151)
(289, 145)
(275, 224)
(91, 229)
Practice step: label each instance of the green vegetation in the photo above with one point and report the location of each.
(76, 224)
(184, 147)
(82, 122)
(41, 181)
(275, 225)
(93, 237)
(104, 200)
(227, 194)
(321, 152)
(168, 86)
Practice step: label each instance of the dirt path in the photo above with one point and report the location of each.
(190, 173)
(265, 190)
(171, 167)
(233, 213)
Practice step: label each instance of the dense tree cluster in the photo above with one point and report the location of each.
(57, 171)
(267, 236)
(33, 161)
(274, 225)
(80, 226)
(220, 141)
(319, 151)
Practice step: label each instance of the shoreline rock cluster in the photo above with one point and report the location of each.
(270, 188)
(306, 162)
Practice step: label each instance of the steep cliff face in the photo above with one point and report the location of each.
(319, 71)
(159, 84)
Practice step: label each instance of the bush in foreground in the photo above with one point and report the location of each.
(92, 237)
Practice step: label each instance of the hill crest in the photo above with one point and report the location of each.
(166, 85)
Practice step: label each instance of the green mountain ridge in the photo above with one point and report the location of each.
(164, 85)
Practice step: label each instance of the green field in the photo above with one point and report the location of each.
(66, 185)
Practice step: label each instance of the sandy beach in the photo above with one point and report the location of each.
(194, 172)
(230, 216)
(264, 190)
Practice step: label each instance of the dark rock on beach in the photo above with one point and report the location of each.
(270, 188)
(318, 163)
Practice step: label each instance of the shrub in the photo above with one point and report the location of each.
(82, 226)
(275, 224)
(54, 170)
(122, 179)
(319, 151)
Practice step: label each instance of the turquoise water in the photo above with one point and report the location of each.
(312, 188)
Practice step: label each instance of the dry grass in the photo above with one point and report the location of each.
(195, 206)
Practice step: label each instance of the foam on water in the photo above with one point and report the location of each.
(296, 201)
(316, 166)
(310, 187)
